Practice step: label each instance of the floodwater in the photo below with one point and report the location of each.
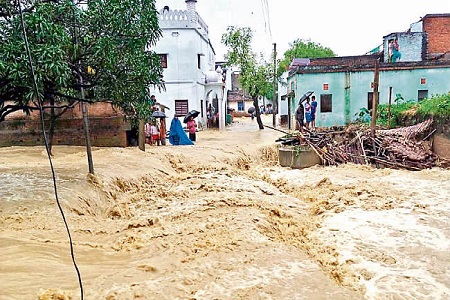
(219, 220)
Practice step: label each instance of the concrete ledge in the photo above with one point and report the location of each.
(298, 157)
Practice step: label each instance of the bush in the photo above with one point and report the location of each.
(437, 107)
(407, 112)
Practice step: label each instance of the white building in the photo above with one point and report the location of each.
(188, 59)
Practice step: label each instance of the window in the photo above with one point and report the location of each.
(325, 86)
(326, 103)
(370, 99)
(181, 108)
(199, 61)
(423, 81)
(240, 105)
(422, 94)
(201, 107)
(163, 58)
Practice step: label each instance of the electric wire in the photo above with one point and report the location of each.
(47, 148)
(266, 16)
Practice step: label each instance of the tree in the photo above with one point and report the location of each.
(303, 49)
(255, 77)
(101, 47)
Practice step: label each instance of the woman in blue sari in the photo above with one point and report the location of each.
(177, 136)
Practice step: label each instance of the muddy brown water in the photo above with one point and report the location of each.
(219, 220)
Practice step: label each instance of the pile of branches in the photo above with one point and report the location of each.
(400, 148)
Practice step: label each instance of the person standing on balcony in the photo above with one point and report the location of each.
(390, 50)
(396, 56)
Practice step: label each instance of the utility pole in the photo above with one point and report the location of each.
(389, 107)
(375, 98)
(275, 98)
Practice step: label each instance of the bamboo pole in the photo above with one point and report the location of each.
(375, 98)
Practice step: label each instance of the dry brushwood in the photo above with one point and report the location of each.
(399, 148)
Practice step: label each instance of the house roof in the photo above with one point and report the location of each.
(436, 16)
(362, 63)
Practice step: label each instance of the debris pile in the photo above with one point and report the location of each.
(400, 148)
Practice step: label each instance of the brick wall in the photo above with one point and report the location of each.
(438, 30)
(104, 132)
(107, 128)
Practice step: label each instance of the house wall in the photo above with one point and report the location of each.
(282, 91)
(185, 36)
(346, 103)
(234, 97)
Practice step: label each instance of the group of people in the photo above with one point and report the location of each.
(265, 110)
(153, 133)
(306, 113)
(155, 129)
(394, 51)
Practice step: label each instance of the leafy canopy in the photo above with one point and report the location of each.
(255, 76)
(303, 49)
(102, 47)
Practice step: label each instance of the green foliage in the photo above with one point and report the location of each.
(255, 77)
(111, 37)
(437, 106)
(398, 113)
(303, 49)
(48, 40)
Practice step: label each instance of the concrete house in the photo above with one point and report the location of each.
(236, 97)
(344, 85)
(191, 78)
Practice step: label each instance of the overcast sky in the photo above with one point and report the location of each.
(348, 27)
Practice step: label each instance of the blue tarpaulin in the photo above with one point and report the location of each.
(177, 136)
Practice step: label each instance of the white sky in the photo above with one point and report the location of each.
(348, 27)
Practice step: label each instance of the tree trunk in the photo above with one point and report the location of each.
(257, 112)
(141, 135)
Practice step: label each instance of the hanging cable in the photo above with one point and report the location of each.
(41, 113)
(266, 16)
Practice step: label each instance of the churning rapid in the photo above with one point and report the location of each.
(219, 220)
